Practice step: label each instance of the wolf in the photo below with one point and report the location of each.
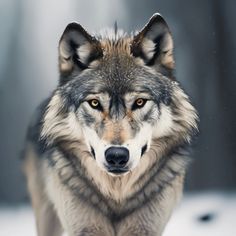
(106, 154)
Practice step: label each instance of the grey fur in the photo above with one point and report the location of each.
(62, 161)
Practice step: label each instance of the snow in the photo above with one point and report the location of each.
(17, 221)
(208, 214)
(219, 208)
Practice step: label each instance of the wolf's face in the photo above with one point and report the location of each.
(118, 95)
(118, 127)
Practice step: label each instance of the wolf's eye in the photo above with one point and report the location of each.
(139, 103)
(94, 103)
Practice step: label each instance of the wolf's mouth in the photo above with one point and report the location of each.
(117, 171)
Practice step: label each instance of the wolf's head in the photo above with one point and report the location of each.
(118, 98)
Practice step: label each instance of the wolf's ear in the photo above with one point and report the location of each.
(154, 44)
(77, 49)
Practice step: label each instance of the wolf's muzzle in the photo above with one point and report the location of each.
(117, 158)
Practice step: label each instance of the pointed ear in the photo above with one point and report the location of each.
(77, 49)
(154, 45)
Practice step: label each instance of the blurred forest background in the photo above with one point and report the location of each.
(205, 42)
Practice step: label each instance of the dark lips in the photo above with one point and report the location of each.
(117, 171)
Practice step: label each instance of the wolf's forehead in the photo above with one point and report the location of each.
(121, 76)
(115, 75)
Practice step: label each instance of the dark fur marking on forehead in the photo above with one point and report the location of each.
(116, 106)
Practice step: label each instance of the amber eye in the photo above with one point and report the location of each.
(94, 103)
(139, 103)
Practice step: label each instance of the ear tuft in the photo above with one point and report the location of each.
(77, 49)
(154, 44)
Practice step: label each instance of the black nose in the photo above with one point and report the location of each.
(117, 157)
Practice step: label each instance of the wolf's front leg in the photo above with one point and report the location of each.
(47, 222)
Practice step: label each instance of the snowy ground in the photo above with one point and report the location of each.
(209, 214)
